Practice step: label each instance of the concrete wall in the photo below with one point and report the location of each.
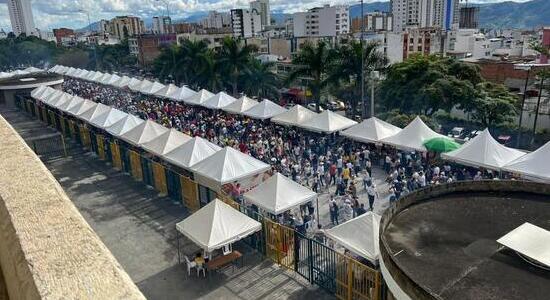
(47, 250)
(406, 284)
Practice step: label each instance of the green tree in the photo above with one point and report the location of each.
(347, 68)
(234, 59)
(260, 80)
(313, 63)
(425, 84)
(75, 58)
(494, 105)
(113, 57)
(399, 119)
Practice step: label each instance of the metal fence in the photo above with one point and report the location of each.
(321, 265)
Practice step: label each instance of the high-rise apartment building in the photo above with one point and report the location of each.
(326, 21)
(162, 25)
(441, 14)
(262, 7)
(245, 23)
(21, 17)
(124, 27)
(217, 20)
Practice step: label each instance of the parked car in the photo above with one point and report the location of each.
(313, 107)
(336, 105)
(472, 135)
(457, 133)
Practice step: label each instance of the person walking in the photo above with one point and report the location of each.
(333, 212)
(372, 194)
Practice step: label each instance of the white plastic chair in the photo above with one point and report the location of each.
(190, 265)
(199, 269)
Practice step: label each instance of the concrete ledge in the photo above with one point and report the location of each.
(47, 250)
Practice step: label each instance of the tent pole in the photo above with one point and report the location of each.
(179, 255)
(318, 220)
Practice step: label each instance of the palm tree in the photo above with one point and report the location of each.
(234, 60)
(260, 81)
(347, 70)
(192, 59)
(314, 63)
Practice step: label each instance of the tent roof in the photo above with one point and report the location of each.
(181, 93)
(134, 84)
(52, 96)
(166, 90)
(228, 165)
(359, 235)
(198, 98)
(96, 77)
(5, 75)
(63, 98)
(94, 112)
(264, 110)
(74, 100)
(33, 70)
(218, 101)
(294, 116)
(413, 136)
(143, 133)
(166, 142)
(216, 225)
(123, 125)
(38, 90)
(242, 104)
(483, 151)
(107, 118)
(279, 194)
(114, 78)
(143, 87)
(192, 152)
(328, 122)
(122, 82)
(152, 89)
(44, 93)
(79, 73)
(371, 131)
(82, 107)
(19, 72)
(104, 78)
(533, 165)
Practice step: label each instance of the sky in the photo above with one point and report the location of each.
(49, 14)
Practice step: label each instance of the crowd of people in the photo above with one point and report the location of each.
(318, 161)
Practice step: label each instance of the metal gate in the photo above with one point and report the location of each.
(100, 141)
(85, 137)
(279, 243)
(355, 280)
(159, 176)
(115, 156)
(190, 192)
(135, 165)
(173, 185)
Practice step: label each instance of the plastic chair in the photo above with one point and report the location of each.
(199, 269)
(190, 265)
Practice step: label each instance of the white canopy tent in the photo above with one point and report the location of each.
(192, 152)
(217, 224)
(198, 98)
(483, 151)
(181, 93)
(82, 107)
(79, 73)
(19, 72)
(359, 235)
(152, 89)
(412, 137)
(241, 105)
(279, 194)
(134, 84)
(74, 100)
(95, 77)
(218, 101)
(54, 69)
(297, 115)
(114, 78)
(166, 90)
(105, 78)
(328, 122)
(229, 165)
(38, 90)
(533, 166)
(64, 97)
(94, 112)
(44, 93)
(264, 110)
(166, 142)
(143, 133)
(124, 125)
(108, 118)
(122, 82)
(143, 86)
(371, 130)
(51, 96)
(31, 70)
(5, 75)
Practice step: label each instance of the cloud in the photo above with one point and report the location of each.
(73, 13)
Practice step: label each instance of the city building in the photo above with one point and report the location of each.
(103, 26)
(443, 14)
(326, 21)
(21, 17)
(64, 36)
(424, 41)
(545, 42)
(184, 27)
(162, 25)
(374, 21)
(102, 39)
(464, 43)
(245, 23)
(149, 46)
(124, 27)
(262, 7)
(213, 37)
(133, 46)
(469, 17)
(217, 20)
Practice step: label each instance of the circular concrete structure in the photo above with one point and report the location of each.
(440, 242)
(24, 84)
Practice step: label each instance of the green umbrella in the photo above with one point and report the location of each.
(441, 144)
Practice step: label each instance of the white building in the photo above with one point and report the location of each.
(262, 7)
(162, 25)
(47, 35)
(326, 21)
(21, 17)
(216, 20)
(464, 43)
(425, 13)
(245, 23)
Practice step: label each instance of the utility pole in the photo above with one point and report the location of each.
(363, 104)
(537, 110)
(90, 28)
(522, 105)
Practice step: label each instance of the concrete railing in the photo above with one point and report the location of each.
(47, 250)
